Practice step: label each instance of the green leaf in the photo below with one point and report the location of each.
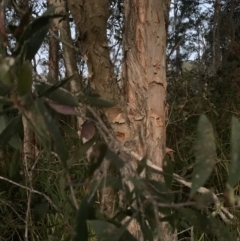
(96, 102)
(205, 154)
(2, 120)
(104, 230)
(63, 109)
(110, 181)
(54, 131)
(15, 165)
(108, 231)
(114, 159)
(5, 77)
(141, 165)
(4, 88)
(32, 38)
(69, 131)
(206, 224)
(168, 171)
(5, 3)
(60, 95)
(96, 157)
(57, 85)
(36, 121)
(24, 84)
(14, 141)
(5, 100)
(84, 213)
(234, 171)
(80, 152)
(11, 129)
(160, 191)
(40, 210)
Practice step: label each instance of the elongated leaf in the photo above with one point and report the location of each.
(4, 88)
(57, 85)
(5, 77)
(234, 171)
(69, 131)
(63, 109)
(108, 231)
(5, 3)
(24, 84)
(5, 100)
(14, 141)
(110, 181)
(205, 154)
(114, 159)
(94, 101)
(2, 120)
(54, 131)
(141, 165)
(104, 229)
(206, 224)
(80, 152)
(15, 165)
(85, 212)
(40, 210)
(12, 128)
(168, 171)
(60, 95)
(88, 129)
(33, 36)
(37, 123)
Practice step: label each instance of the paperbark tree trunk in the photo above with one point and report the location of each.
(53, 49)
(144, 76)
(139, 118)
(91, 19)
(216, 36)
(69, 53)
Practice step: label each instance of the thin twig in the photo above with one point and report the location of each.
(33, 191)
(222, 210)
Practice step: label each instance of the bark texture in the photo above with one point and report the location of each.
(70, 61)
(53, 50)
(145, 75)
(138, 122)
(69, 53)
(91, 18)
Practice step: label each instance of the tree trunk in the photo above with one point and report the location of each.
(144, 76)
(216, 37)
(139, 121)
(68, 52)
(53, 50)
(91, 19)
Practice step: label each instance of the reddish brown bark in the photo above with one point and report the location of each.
(53, 50)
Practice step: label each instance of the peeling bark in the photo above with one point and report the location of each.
(91, 19)
(145, 75)
(138, 122)
(69, 53)
(53, 50)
